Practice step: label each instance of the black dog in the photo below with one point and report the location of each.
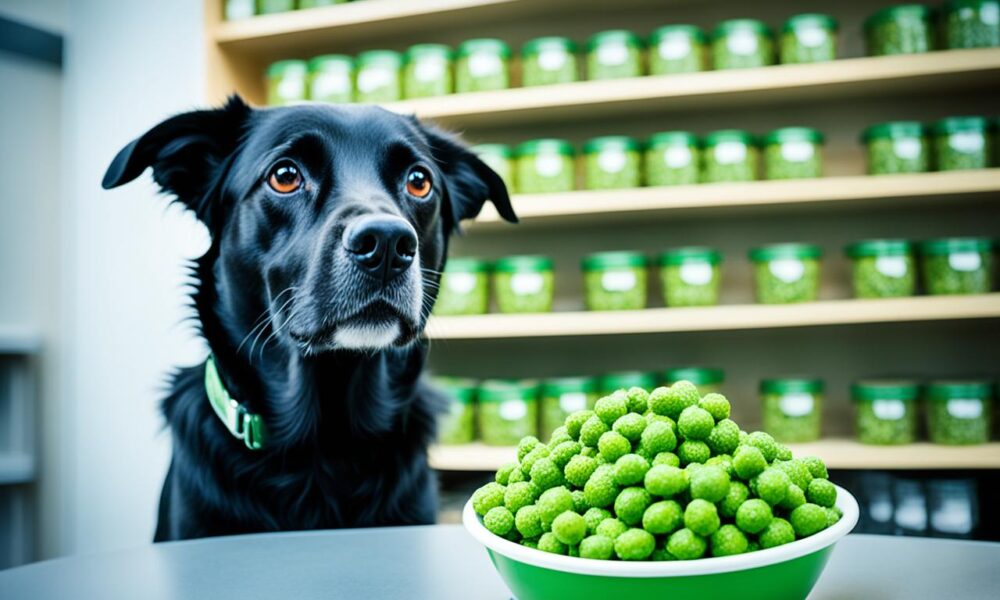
(329, 230)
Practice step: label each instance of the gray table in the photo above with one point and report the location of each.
(443, 562)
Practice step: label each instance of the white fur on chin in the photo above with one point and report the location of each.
(366, 337)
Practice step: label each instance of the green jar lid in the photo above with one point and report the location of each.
(546, 145)
(791, 386)
(794, 134)
(386, 58)
(878, 248)
(610, 142)
(776, 251)
(485, 45)
(696, 375)
(541, 44)
(692, 31)
(498, 390)
(501, 150)
(893, 130)
(810, 20)
(466, 264)
(460, 389)
(960, 124)
(672, 138)
(627, 379)
(951, 389)
(287, 67)
(955, 245)
(726, 27)
(613, 260)
(614, 36)
(568, 385)
(331, 62)
(523, 263)
(887, 389)
(729, 135)
(901, 11)
(953, 5)
(421, 51)
(689, 254)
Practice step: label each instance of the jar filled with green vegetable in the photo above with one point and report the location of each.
(464, 287)
(378, 76)
(793, 153)
(886, 411)
(427, 71)
(457, 425)
(742, 44)
(500, 158)
(508, 411)
(960, 412)
(615, 281)
(625, 380)
(677, 49)
(270, 7)
(730, 155)
(672, 158)
(957, 265)
(962, 143)
(786, 273)
(614, 54)
(882, 268)
(971, 24)
(611, 162)
(707, 379)
(901, 29)
(808, 38)
(524, 284)
(318, 3)
(545, 166)
(897, 147)
(549, 60)
(792, 408)
(482, 65)
(563, 396)
(690, 276)
(331, 79)
(286, 82)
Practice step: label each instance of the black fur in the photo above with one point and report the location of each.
(348, 428)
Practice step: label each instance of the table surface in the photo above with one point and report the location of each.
(443, 562)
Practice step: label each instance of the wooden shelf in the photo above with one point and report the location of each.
(715, 318)
(16, 468)
(837, 453)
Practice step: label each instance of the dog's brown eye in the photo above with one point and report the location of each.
(285, 178)
(418, 182)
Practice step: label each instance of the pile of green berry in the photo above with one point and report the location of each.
(656, 476)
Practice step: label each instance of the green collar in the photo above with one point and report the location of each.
(240, 422)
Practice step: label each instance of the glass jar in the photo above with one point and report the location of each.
(500, 158)
(286, 82)
(548, 60)
(614, 54)
(808, 38)
(624, 380)
(959, 412)
(545, 166)
(270, 7)
(957, 265)
(742, 44)
(615, 281)
(971, 24)
(901, 29)
(239, 9)
(508, 411)
(730, 155)
(707, 379)
(672, 158)
(331, 79)
(897, 147)
(962, 143)
(378, 76)
(464, 287)
(482, 65)
(793, 153)
(882, 268)
(690, 276)
(524, 284)
(611, 162)
(677, 49)
(886, 411)
(786, 273)
(792, 409)
(564, 396)
(457, 426)
(427, 71)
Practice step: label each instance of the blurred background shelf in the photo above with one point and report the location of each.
(16, 468)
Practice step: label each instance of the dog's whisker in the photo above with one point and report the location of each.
(269, 322)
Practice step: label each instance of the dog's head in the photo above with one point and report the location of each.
(333, 221)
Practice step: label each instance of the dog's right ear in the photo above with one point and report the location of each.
(187, 152)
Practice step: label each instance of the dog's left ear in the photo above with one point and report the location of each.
(470, 182)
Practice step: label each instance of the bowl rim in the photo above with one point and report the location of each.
(702, 566)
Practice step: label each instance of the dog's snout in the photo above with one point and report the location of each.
(383, 246)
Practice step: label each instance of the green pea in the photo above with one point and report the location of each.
(782, 282)
(887, 422)
(947, 274)
(792, 418)
(781, 163)
(898, 155)
(884, 276)
(951, 423)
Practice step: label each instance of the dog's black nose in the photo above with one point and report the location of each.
(384, 246)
